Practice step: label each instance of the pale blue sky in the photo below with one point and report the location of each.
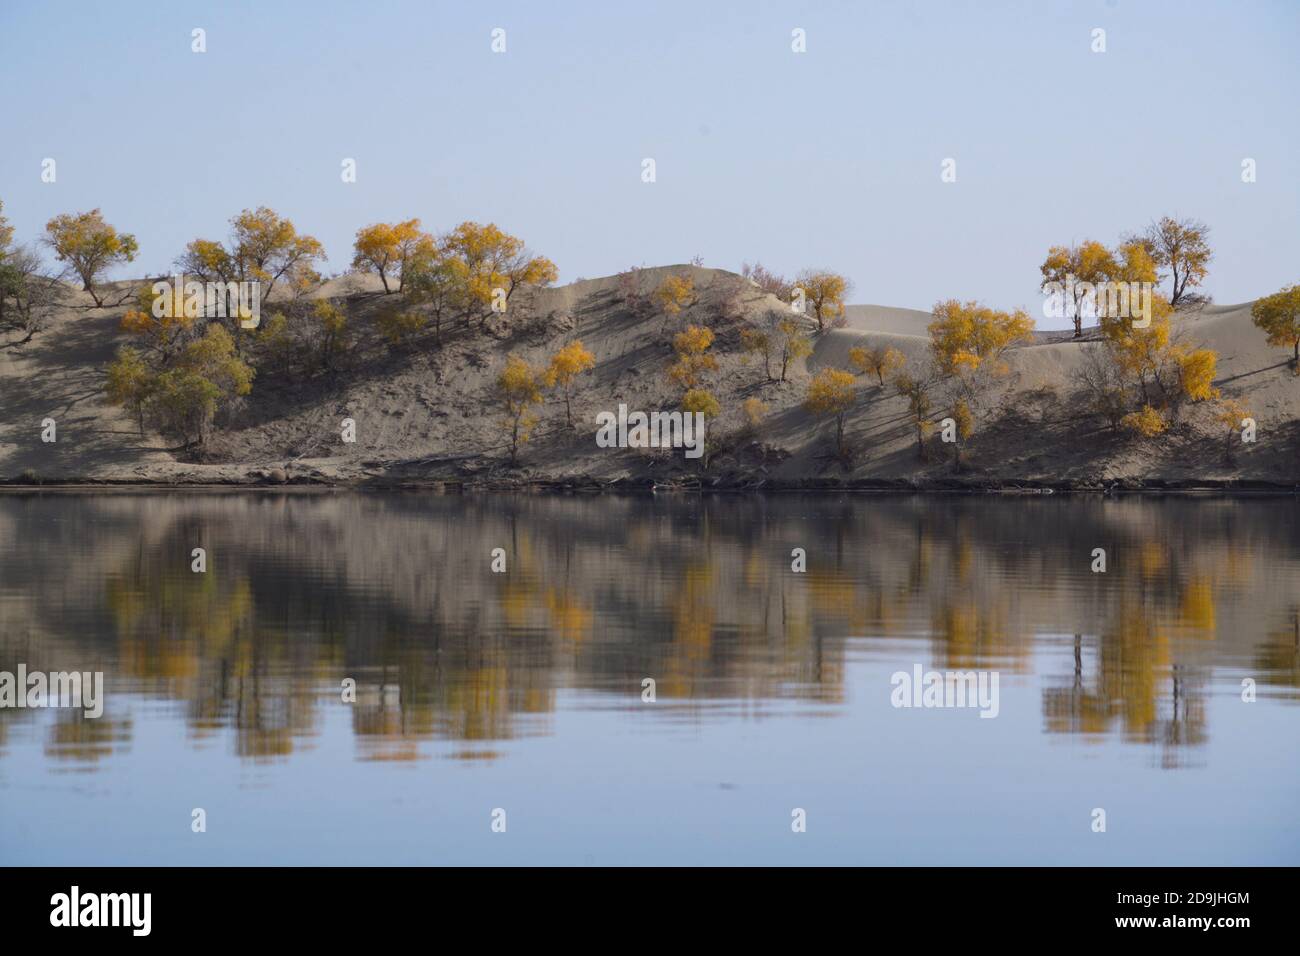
(828, 158)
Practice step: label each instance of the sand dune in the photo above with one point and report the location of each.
(886, 319)
(428, 413)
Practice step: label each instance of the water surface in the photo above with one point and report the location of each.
(523, 690)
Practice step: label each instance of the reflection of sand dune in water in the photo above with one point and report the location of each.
(395, 591)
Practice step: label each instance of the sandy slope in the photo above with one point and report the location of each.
(426, 413)
(885, 319)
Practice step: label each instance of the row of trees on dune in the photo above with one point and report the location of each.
(1176, 250)
(781, 337)
(691, 320)
(521, 387)
(185, 367)
(1138, 375)
(1142, 374)
(84, 244)
(957, 382)
(1143, 370)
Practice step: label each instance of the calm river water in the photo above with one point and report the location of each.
(519, 698)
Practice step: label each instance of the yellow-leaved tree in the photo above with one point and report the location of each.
(213, 356)
(6, 232)
(831, 393)
(161, 319)
(916, 392)
(963, 426)
(966, 337)
(703, 401)
(400, 326)
(1195, 369)
(88, 246)
(1278, 315)
(184, 393)
(432, 281)
(519, 388)
(1140, 352)
(792, 342)
(1232, 414)
(385, 248)
(691, 346)
(755, 410)
(1182, 246)
(130, 384)
(824, 294)
(331, 335)
(184, 404)
(565, 367)
(1168, 372)
(489, 264)
(967, 344)
(880, 361)
(1068, 267)
(263, 247)
(1146, 421)
(757, 341)
(675, 293)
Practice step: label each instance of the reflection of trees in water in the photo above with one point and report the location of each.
(1078, 707)
(1184, 725)
(1135, 682)
(198, 638)
(84, 742)
(395, 592)
(1152, 698)
(1278, 658)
